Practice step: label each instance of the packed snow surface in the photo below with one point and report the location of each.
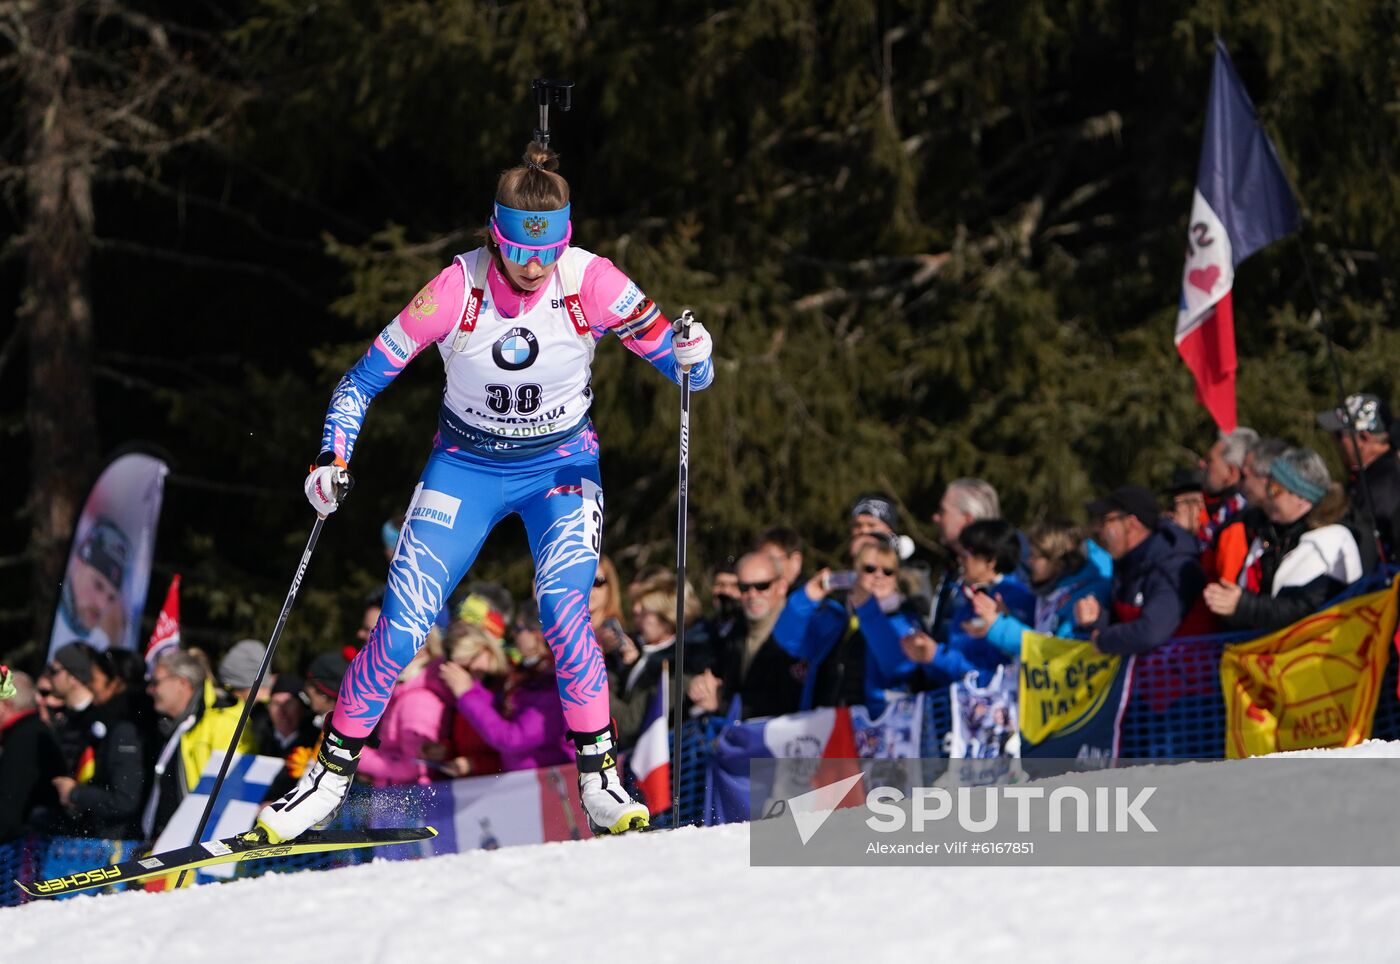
(690, 895)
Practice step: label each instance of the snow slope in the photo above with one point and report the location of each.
(690, 895)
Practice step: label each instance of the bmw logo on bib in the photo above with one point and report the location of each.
(516, 349)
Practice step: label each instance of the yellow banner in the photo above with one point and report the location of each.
(1311, 684)
(1064, 684)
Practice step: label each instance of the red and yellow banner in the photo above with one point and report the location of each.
(1311, 684)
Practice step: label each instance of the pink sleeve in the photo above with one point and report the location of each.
(428, 318)
(609, 297)
(613, 302)
(526, 731)
(421, 721)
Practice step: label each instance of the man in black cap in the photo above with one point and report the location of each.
(323, 678)
(1157, 577)
(1188, 499)
(102, 793)
(71, 677)
(1370, 459)
(90, 604)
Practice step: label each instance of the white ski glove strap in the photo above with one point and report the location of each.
(327, 484)
(693, 348)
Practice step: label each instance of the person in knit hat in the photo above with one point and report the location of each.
(323, 678)
(239, 668)
(1314, 556)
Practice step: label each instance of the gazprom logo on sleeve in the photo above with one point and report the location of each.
(439, 508)
(391, 344)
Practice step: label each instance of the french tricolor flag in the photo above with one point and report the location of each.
(1242, 202)
(650, 761)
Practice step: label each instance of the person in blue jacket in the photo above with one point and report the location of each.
(1157, 577)
(990, 551)
(883, 616)
(1062, 573)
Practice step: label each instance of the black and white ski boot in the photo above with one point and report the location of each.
(313, 802)
(610, 809)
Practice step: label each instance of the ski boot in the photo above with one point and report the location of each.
(316, 798)
(609, 808)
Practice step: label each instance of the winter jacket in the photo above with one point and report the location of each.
(960, 653)
(190, 742)
(1053, 612)
(1383, 482)
(109, 803)
(809, 631)
(465, 742)
(1306, 567)
(773, 682)
(531, 733)
(886, 666)
(73, 730)
(1228, 558)
(1155, 587)
(419, 711)
(629, 702)
(29, 760)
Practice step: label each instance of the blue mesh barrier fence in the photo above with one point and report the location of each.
(1175, 710)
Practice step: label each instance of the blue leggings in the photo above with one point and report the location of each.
(458, 501)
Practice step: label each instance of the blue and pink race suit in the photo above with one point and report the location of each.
(513, 437)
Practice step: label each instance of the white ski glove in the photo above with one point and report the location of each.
(693, 348)
(328, 484)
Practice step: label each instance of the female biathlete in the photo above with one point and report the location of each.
(516, 322)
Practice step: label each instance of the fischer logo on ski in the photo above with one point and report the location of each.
(249, 846)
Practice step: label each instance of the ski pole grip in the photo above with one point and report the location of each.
(682, 328)
(342, 484)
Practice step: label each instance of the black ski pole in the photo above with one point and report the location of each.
(682, 506)
(257, 682)
(1348, 424)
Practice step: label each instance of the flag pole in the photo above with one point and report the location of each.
(1348, 424)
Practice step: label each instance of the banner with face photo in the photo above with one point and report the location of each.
(985, 740)
(109, 564)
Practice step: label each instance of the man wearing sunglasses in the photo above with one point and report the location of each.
(767, 680)
(1157, 577)
(516, 322)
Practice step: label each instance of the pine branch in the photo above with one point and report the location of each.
(199, 261)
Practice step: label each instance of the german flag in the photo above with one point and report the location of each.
(87, 765)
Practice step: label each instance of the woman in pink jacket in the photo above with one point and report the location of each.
(527, 728)
(418, 720)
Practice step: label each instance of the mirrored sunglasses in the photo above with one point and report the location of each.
(523, 254)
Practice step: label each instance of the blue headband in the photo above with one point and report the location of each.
(532, 230)
(1288, 477)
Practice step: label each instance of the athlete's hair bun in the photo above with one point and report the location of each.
(540, 158)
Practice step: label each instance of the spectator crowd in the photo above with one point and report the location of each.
(1253, 538)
